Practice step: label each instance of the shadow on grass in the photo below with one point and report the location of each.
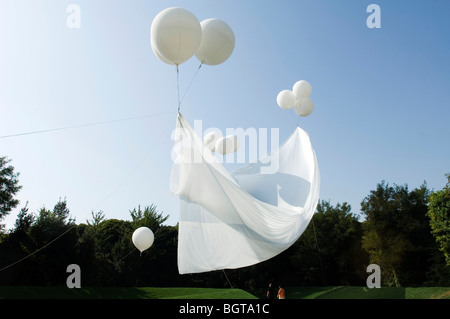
(365, 293)
(31, 292)
(345, 292)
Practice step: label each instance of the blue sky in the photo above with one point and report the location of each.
(381, 95)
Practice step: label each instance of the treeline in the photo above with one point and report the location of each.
(406, 232)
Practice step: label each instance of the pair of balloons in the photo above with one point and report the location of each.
(221, 144)
(143, 238)
(176, 35)
(298, 98)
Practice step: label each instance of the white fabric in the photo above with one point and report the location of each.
(240, 219)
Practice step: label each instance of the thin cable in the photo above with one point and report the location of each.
(227, 279)
(124, 180)
(318, 251)
(190, 83)
(38, 250)
(98, 206)
(178, 88)
(85, 125)
(127, 255)
(104, 200)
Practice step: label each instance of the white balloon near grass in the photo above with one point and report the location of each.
(217, 42)
(211, 139)
(227, 144)
(302, 89)
(143, 238)
(305, 107)
(286, 99)
(175, 35)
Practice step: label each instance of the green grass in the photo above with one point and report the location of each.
(349, 292)
(31, 292)
(330, 292)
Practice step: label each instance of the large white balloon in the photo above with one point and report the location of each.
(143, 238)
(211, 139)
(217, 42)
(286, 99)
(175, 35)
(159, 55)
(227, 144)
(305, 107)
(302, 89)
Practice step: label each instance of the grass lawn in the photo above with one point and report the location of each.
(31, 292)
(331, 292)
(349, 292)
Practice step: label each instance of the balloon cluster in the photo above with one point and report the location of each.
(221, 144)
(298, 98)
(176, 35)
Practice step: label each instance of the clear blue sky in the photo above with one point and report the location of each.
(381, 96)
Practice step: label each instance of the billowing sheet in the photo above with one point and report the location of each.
(233, 220)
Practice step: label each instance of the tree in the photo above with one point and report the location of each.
(53, 234)
(9, 186)
(397, 234)
(97, 218)
(439, 214)
(148, 217)
(329, 251)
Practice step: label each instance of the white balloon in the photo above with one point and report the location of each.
(235, 142)
(210, 140)
(159, 55)
(305, 107)
(302, 89)
(297, 103)
(217, 42)
(175, 35)
(143, 238)
(227, 144)
(286, 99)
(222, 146)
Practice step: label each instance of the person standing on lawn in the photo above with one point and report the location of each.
(281, 293)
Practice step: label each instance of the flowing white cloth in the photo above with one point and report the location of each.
(240, 219)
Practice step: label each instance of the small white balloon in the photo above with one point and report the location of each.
(286, 99)
(236, 143)
(143, 238)
(227, 144)
(305, 107)
(211, 139)
(220, 146)
(175, 35)
(217, 42)
(302, 89)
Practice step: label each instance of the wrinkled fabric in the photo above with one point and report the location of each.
(233, 220)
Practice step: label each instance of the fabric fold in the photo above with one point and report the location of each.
(233, 220)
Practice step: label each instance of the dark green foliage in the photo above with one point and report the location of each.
(397, 233)
(335, 248)
(9, 186)
(439, 214)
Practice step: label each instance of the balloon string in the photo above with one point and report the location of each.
(178, 88)
(38, 250)
(192, 81)
(127, 255)
(227, 278)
